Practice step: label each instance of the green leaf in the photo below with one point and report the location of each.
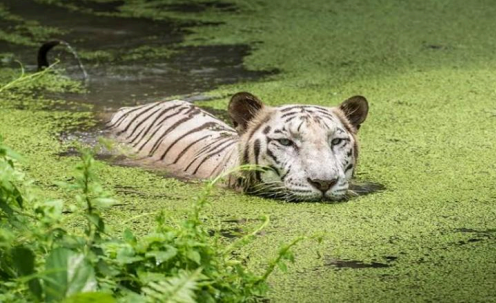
(68, 273)
(97, 221)
(162, 256)
(90, 297)
(194, 256)
(104, 202)
(127, 255)
(129, 236)
(5, 207)
(24, 259)
(282, 266)
(18, 197)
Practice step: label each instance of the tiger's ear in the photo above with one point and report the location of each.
(355, 109)
(242, 108)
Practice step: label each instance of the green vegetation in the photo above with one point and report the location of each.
(43, 260)
(427, 68)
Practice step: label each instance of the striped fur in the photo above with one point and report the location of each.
(178, 135)
(308, 152)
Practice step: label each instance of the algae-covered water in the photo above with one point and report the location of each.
(427, 68)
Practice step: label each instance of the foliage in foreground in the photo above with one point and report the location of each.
(41, 259)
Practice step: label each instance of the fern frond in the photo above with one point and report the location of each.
(178, 289)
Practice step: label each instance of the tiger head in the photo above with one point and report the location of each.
(307, 153)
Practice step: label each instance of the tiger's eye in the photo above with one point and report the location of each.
(285, 142)
(336, 141)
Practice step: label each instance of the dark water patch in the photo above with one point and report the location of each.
(366, 188)
(189, 71)
(436, 47)
(84, 135)
(132, 60)
(472, 240)
(201, 7)
(391, 258)
(102, 7)
(241, 220)
(70, 152)
(229, 233)
(477, 235)
(355, 264)
(132, 191)
(476, 231)
(98, 32)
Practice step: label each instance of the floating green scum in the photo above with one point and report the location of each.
(428, 71)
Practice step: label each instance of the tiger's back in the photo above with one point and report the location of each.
(178, 135)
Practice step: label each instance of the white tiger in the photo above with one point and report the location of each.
(309, 152)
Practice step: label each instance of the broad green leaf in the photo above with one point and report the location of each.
(129, 236)
(90, 297)
(97, 221)
(5, 207)
(194, 256)
(127, 255)
(162, 256)
(24, 259)
(68, 273)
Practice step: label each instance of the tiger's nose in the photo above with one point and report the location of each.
(322, 185)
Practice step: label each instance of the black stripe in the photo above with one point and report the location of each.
(348, 167)
(266, 130)
(256, 152)
(140, 123)
(221, 162)
(328, 116)
(173, 127)
(204, 149)
(124, 115)
(159, 123)
(158, 128)
(208, 147)
(270, 154)
(291, 118)
(299, 126)
(138, 137)
(326, 126)
(246, 159)
(183, 152)
(291, 107)
(289, 114)
(221, 148)
(202, 127)
(134, 119)
(275, 170)
(264, 120)
(286, 174)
